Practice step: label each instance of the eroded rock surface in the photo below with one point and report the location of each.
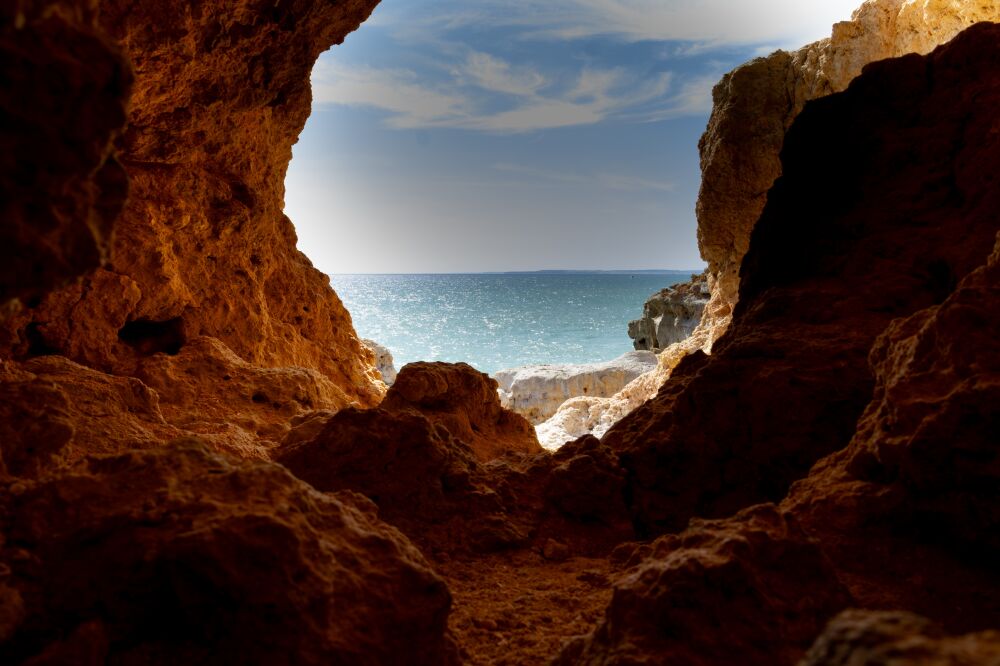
(755, 105)
(61, 186)
(201, 248)
(537, 391)
(869, 638)
(383, 361)
(899, 162)
(722, 592)
(464, 401)
(175, 555)
(670, 315)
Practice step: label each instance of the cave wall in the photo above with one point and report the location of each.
(755, 104)
(753, 107)
(198, 261)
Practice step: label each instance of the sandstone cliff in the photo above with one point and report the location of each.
(200, 247)
(753, 107)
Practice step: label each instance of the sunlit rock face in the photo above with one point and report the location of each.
(537, 391)
(201, 249)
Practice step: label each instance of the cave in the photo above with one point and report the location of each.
(189, 423)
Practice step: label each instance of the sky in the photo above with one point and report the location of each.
(507, 135)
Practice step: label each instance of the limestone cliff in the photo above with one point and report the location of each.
(537, 391)
(670, 315)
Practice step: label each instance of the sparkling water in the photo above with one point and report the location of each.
(497, 321)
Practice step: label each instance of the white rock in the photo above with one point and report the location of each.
(537, 391)
(383, 360)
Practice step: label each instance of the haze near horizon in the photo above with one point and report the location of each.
(518, 136)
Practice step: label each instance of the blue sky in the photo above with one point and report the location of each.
(487, 135)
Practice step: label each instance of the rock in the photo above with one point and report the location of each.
(383, 360)
(54, 412)
(418, 457)
(894, 638)
(917, 476)
(555, 551)
(930, 429)
(748, 590)
(755, 105)
(464, 401)
(814, 298)
(587, 483)
(176, 555)
(60, 182)
(670, 315)
(537, 391)
(201, 247)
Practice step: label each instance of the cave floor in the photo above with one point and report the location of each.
(519, 608)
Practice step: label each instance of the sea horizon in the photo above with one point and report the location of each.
(500, 320)
(545, 271)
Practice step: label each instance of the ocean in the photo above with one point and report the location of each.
(494, 321)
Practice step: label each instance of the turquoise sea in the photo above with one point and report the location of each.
(501, 320)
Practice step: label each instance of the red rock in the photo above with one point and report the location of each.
(423, 480)
(176, 555)
(64, 87)
(894, 178)
(752, 589)
(201, 248)
(465, 402)
(867, 638)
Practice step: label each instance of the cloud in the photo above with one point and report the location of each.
(496, 75)
(526, 101)
(790, 23)
(409, 102)
(611, 181)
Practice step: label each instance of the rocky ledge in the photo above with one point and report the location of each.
(670, 315)
(537, 391)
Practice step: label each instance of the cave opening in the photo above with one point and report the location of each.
(505, 205)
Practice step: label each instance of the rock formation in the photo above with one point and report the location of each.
(671, 607)
(910, 489)
(200, 247)
(871, 638)
(670, 315)
(755, 105)
(898, 160)
(158, 353)
(383, 360)
(537, 391)
(175, 555)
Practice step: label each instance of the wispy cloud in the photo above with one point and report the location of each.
(611, 181)
(410, 102)
(526, 100)
(789, 23)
